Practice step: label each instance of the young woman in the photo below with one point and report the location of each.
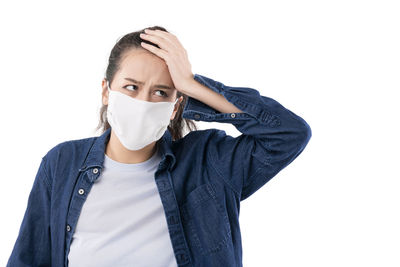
(143, 193)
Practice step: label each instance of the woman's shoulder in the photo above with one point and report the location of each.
(198, 136)
(66, 156)
(198, 142)
(70, 147)
(203, 135)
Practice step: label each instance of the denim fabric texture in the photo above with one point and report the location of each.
(202, 178)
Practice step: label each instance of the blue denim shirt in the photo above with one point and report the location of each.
(202, 178)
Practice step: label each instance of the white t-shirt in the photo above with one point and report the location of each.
(122, 222)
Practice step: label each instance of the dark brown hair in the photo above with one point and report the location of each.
(126, 43)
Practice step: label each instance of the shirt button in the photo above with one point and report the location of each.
(95, 170)
(233, 115)
(196, 116)
(68, 228)
(181, 257)
(81, 191)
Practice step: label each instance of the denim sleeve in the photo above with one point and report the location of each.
(272, 136)
(32, 246)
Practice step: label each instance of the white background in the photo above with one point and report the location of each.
(334, 63)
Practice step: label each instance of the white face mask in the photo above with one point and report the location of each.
(137, 123)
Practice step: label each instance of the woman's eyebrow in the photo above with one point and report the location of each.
(157, 85)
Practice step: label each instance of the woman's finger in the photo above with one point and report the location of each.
(157, 51)
(156, 40)
(165, 36)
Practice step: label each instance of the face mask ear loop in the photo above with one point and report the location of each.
(108, 86)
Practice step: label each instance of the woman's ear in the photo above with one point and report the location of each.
(178, 103)
(104, 92)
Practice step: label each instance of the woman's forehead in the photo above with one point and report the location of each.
(145, 67)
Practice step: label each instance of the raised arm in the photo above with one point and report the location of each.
(272, 136)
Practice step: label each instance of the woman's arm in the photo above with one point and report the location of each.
(210, 97)
(32, 246)
(272, 136)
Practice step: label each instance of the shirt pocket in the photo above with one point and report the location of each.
(205, 221)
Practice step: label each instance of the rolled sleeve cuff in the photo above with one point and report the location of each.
(246, 99)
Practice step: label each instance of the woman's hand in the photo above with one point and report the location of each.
(173, 53)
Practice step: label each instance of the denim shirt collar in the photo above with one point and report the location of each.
(96, 153)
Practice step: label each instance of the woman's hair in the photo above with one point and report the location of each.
(125, 44)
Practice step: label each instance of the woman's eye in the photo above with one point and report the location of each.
(164, 94)
(129, 85)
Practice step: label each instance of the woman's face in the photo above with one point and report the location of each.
(144, 76)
